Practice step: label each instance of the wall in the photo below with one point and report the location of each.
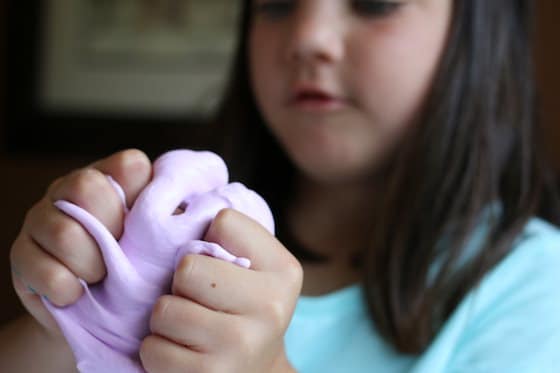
(23, 181)
(28, 165)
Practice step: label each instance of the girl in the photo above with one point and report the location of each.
(395, 142)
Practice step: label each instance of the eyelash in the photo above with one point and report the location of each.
(276, 9)
(375, 8)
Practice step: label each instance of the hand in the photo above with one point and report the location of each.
(221, 317)
(52, 250)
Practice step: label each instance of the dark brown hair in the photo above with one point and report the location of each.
(474, 150)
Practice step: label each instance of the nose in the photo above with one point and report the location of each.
(317, 34)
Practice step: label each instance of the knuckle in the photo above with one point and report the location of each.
(294, 272)
(276, 313)
(225, 215)
(204, 365)
(222, 221)
(54, 280)
(80, 186)
(147, 353)
(185, 271)
(160, 311)
(93, 275)
(133, 158)
(52, 186)
(132, 169)
(15, 249)
(32, 213)
(70, 243)
(65, 234)
(211, 366)
(245, 341)
(17, 254)
(242, 336)
(37, 217)
(87, 182)
(88, 271)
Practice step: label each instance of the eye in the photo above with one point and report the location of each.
(274, 9)
(375, 8)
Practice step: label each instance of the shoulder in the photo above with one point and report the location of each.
(534, 258)
(515, 310)
(540, 235)
(530, 272)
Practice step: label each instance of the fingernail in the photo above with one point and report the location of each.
(31, 289)
(16, 271)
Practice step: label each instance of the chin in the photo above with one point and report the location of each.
(333, 173)
(335, 162)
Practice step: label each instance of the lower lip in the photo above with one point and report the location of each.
(319, 104)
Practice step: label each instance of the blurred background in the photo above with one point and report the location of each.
(83, 78)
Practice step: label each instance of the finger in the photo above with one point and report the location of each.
(131, 169)
(66, 240)
(222, 286)
(90, 189)
(244, 237)
(43, 273)
(158, 354)
(188, 323)
(32, 301)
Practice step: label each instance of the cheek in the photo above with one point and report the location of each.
(262, 65)
(399, 71)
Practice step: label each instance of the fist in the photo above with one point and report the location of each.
(52, 250)
(225, 318)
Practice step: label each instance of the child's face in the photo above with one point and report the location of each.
(340, 81)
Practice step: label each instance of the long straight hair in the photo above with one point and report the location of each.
(475, 147)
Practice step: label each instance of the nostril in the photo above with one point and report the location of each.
(181, 209)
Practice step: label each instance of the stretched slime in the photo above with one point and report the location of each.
(105, 327)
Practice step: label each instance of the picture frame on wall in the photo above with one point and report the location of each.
(136, 57)
(91, 77)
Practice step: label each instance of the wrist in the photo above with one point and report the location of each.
(26, 346)
(42, 334)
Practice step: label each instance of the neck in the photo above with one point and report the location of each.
(333, 220)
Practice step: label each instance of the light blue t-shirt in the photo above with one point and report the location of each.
(509, 323)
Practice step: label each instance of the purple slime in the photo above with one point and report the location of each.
(105, 327)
